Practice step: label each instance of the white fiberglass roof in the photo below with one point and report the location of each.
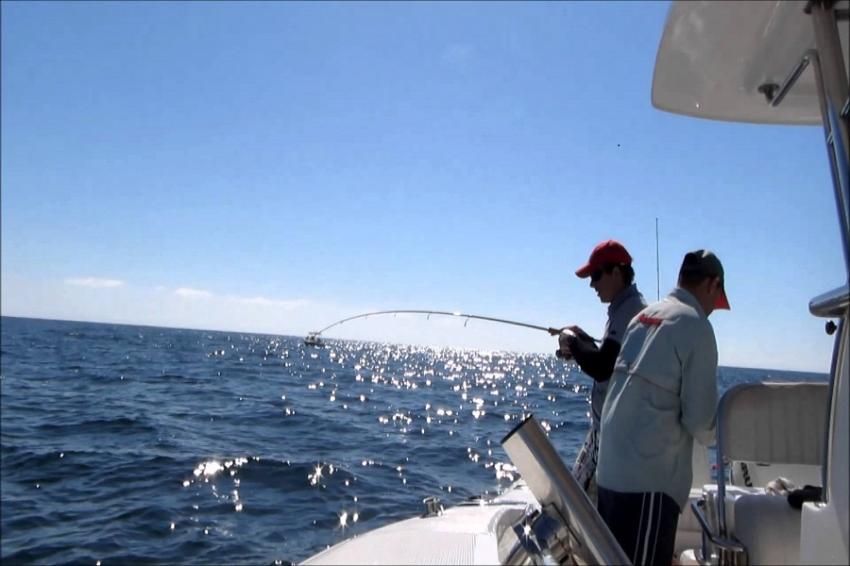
(715, 55)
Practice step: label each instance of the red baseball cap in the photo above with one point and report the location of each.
(722, 302)
(609, 252)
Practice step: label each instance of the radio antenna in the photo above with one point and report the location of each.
(657, 265)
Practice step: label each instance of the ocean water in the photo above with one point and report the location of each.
(125, 444)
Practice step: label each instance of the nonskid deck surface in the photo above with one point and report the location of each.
(465, 534)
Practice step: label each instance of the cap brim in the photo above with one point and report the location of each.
(722, 302)
(584, 271)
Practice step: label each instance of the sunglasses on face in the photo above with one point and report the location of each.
(597, 275)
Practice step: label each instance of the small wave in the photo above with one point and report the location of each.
(171, 376)
(46, 466)
(101, 426)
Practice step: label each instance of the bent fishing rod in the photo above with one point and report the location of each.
(552, 331)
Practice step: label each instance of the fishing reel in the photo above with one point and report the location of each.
(567, 332)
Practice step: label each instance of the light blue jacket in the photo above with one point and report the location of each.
(662, 395)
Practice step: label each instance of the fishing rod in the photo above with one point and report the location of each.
(552, 331)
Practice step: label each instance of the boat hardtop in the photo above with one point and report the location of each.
(727, 62)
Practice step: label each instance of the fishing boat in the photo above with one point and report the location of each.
(777, 62)
(314, 339)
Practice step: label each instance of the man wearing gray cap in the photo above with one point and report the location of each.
(662, 396)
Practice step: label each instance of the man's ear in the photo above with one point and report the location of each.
(718, 283)
(619, 269)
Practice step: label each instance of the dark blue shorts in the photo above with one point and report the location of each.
(643, 523)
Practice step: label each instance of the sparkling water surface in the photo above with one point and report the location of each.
(151, 445)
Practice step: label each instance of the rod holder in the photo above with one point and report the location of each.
(555, 487)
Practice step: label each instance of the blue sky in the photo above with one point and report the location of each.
(273, 167)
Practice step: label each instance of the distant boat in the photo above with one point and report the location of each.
(313, 339)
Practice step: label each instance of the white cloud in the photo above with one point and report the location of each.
(237, 301)
(264, 302)
(189, 293)
(95, 282)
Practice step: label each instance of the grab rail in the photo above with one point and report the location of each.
(831, 303)
(717, 540)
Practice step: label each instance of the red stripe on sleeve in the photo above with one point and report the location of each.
(650, 320)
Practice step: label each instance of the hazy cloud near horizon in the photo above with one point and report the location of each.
(189, 293)
(96, 282)
(112, 300)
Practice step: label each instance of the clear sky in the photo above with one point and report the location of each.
(273, 167)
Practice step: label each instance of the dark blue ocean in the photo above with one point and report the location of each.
(125, 444)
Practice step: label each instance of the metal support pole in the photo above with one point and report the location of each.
(833, 93)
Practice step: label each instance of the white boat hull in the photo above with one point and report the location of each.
(472, 533)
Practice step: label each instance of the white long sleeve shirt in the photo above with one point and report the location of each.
(662, 395)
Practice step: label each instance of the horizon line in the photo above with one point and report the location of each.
(827, 373)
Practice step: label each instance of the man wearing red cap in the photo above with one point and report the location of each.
(662, 396)
(611, 276)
